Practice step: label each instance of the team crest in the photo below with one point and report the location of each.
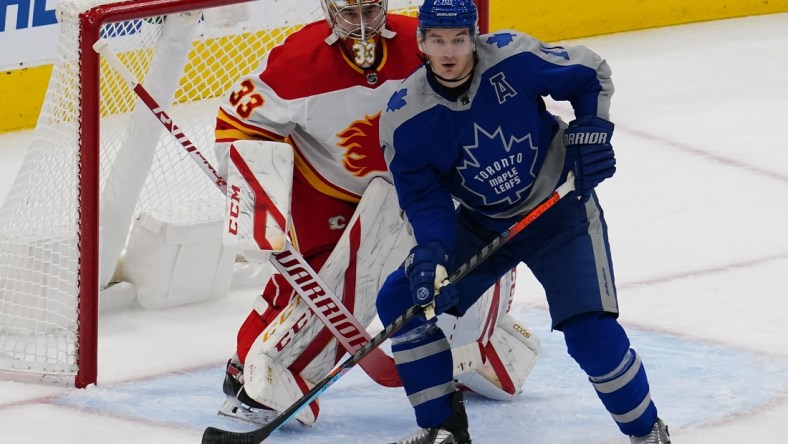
(498, 168)
(361, 142)
(337, 223)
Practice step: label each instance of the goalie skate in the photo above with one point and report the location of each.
(239, 406)
(234, 409)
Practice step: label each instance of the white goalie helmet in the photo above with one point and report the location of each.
(357, 19)
(359, 24)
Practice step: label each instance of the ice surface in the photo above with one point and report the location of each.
(697, 214)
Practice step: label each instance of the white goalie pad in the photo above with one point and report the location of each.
(508, 357)
(171, 263)
(479, 321)
(493, 353)
(271, 384)
(375, 242)
(259, 184)
(469, 334)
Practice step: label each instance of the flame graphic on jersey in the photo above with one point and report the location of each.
(361, 143)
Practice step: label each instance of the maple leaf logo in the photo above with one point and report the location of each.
(500, 40)
(496, 168)
(397, 100)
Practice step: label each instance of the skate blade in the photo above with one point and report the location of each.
(427, 437)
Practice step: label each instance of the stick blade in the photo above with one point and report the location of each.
(212, 435)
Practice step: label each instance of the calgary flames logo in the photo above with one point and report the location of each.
(361, 143)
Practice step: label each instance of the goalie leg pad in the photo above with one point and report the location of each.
(374, 243)
(276, 295)
(510, 356)
(272, 385)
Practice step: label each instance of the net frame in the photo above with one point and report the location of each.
(75, 363)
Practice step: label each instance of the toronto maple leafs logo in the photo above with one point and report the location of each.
(501, 39)
(498, 168)
(397, 100)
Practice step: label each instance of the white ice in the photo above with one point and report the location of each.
(697, 214)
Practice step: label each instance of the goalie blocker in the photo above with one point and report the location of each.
(493, 352)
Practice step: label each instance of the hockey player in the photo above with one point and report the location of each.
(472, 124)
(321, 91)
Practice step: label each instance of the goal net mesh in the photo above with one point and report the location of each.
(187, 61)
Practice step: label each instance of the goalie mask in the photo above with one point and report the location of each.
(358, 23)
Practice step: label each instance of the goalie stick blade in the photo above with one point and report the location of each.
(213, 435)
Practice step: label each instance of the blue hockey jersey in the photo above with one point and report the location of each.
(494, 149)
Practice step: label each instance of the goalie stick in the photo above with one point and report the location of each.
(289, 262)
(213, 435)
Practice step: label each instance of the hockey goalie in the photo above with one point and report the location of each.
(308, 191)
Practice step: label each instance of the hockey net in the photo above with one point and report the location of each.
(95, 146)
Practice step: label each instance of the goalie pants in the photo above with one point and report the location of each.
(318, 221)
(567, 250)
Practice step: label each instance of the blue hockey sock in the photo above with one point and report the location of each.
(600, 346)
(424, 362)
(626, 395)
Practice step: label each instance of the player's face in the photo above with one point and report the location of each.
(450, 52)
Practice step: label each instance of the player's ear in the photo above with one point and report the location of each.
(420, 40)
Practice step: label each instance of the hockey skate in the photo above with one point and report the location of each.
(453, 431)
(238, 405)
(658, 435)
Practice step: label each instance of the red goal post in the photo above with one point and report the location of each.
(97, 161)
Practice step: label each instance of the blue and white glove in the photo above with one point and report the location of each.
(425, 267)
(589, 153)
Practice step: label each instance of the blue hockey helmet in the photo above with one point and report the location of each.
(448, 14)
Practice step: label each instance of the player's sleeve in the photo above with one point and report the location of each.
(569, 73)
(420, 189)
(251, 110)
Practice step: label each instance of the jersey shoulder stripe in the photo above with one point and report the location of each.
(229, 128)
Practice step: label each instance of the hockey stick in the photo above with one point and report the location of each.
(213, 435)
(289, 262)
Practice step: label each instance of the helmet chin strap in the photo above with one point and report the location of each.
(458, 79)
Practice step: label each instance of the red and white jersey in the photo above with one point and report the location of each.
(309, 94)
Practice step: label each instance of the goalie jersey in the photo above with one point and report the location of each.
(293, 98)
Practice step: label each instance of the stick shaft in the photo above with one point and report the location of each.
(102, 48)
(380, 366)
(216, 436)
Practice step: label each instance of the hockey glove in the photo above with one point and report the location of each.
(425, 267)
(589, 153)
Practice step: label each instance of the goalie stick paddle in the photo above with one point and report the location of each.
(379, 366)
(214, 435)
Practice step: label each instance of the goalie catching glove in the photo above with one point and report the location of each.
(425, 268)
(589, 153)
